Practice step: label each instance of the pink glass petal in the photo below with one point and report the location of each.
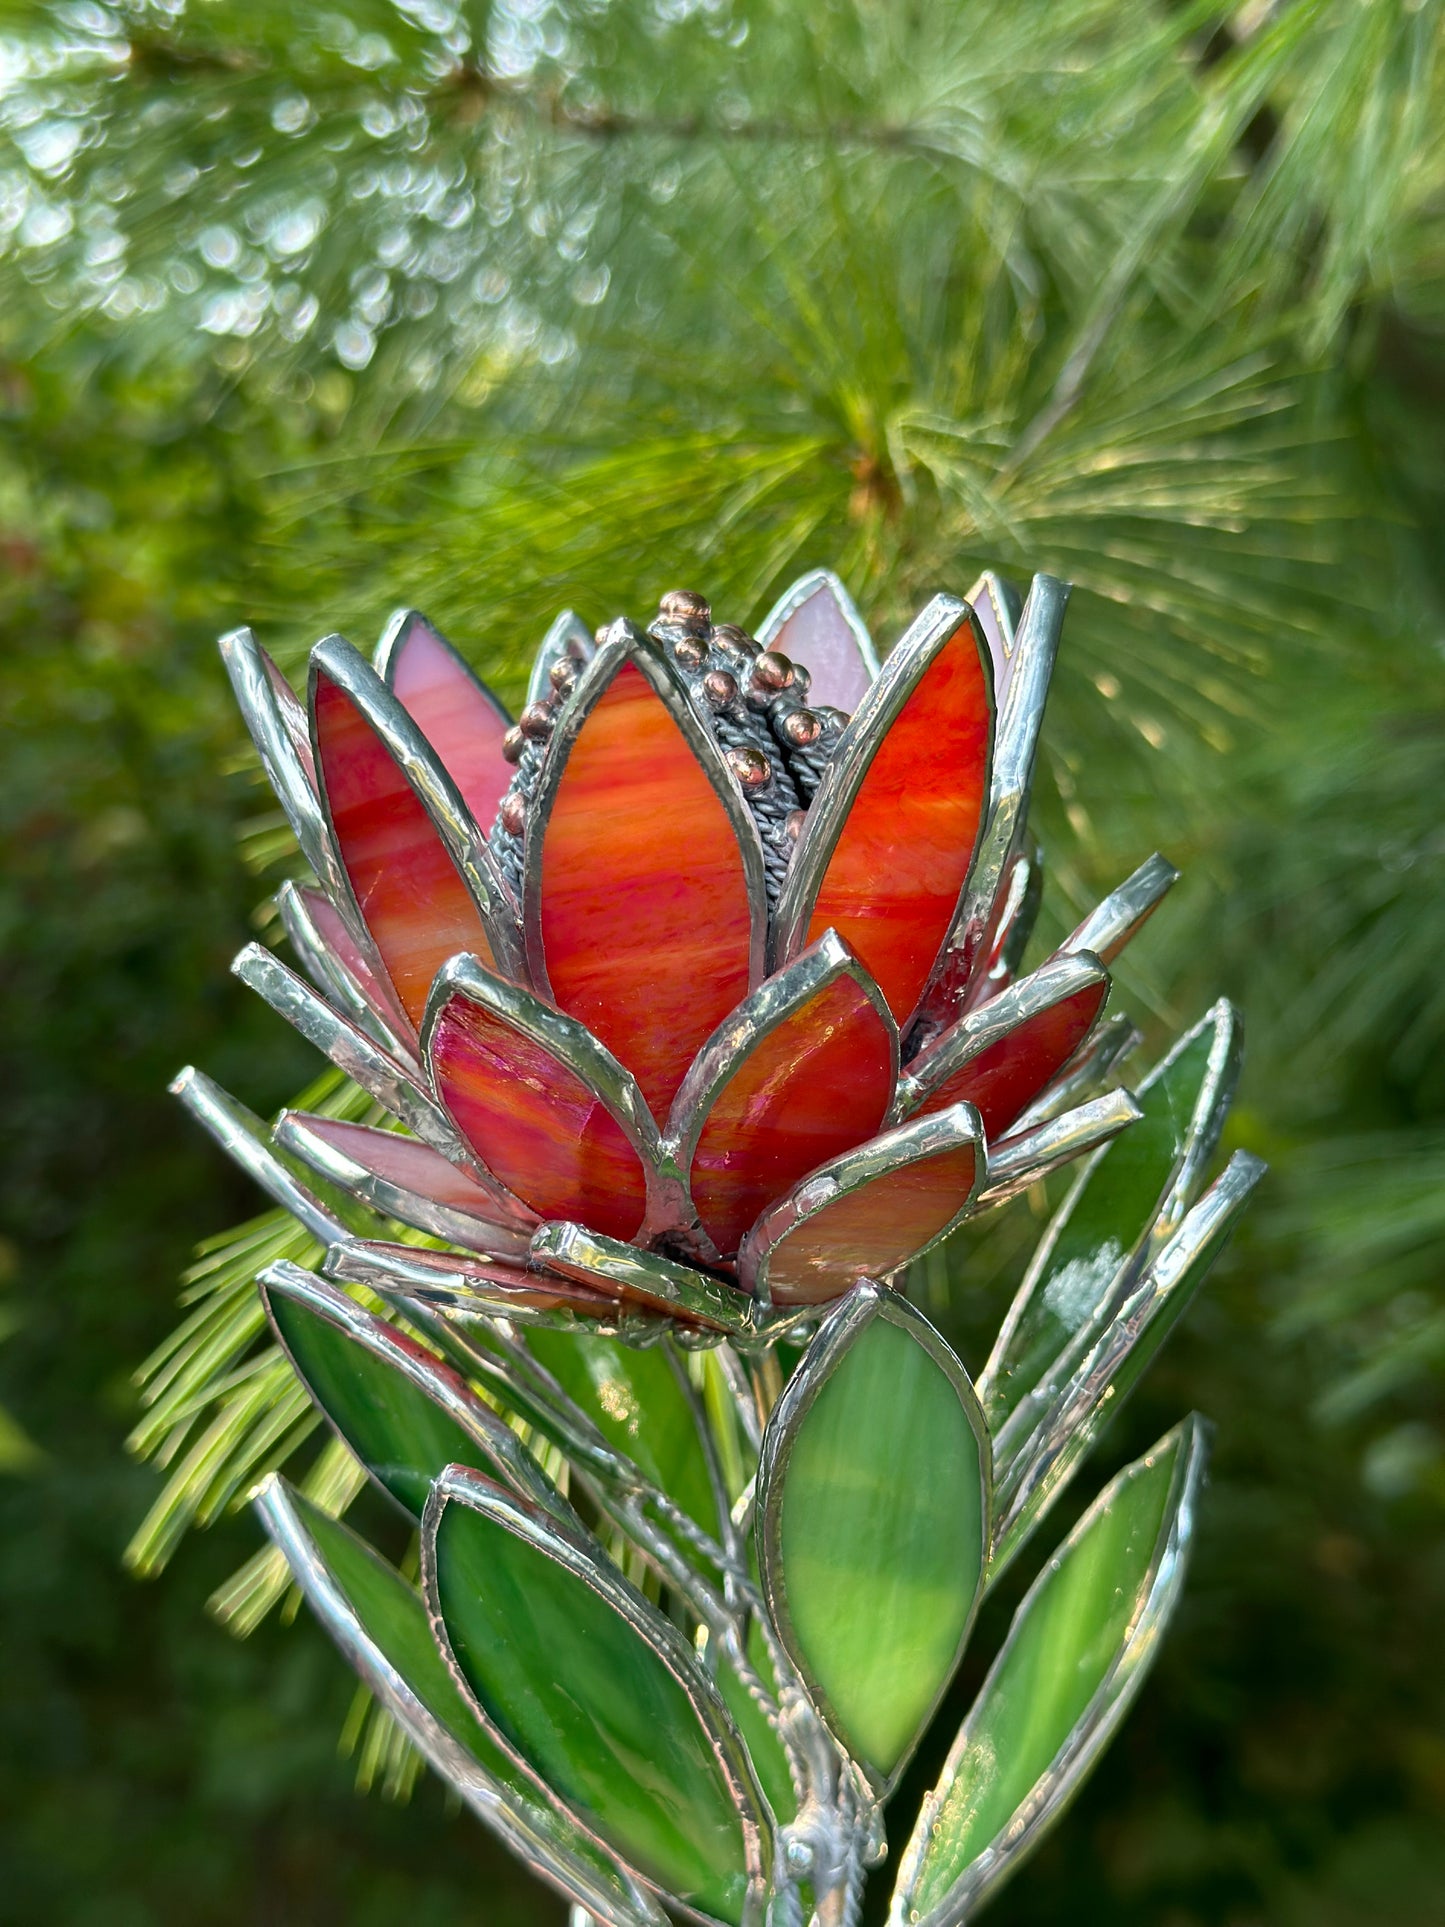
(815, 1086)
(293, 716)
(454, 711)
(1005, 1077)
(873, 1230)
(338, 939)
(818, 634)
(414, 902)
(903, 855)
(645, 919)
(986, 598)
(414, 1166)
(535, 1123)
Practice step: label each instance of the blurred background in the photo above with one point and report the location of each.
(306, 311)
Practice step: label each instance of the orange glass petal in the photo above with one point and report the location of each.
(456, 714)
(872, 1231)
(1006, 1077)
(415, 904)
(535, 1123)
(892, 884)
(644, 905)
(815, 1086)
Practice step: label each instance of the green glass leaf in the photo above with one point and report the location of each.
(1131, 1195)
(642, 1407)
(765, 1749)
(597, 1693)
(1103, 1365)
(873, 1518)
(1075, 1656)
(380, 1624)
(403, 1412)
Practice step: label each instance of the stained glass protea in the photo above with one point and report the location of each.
(692, 1009)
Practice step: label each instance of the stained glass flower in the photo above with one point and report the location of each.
(696, 988)
(691, 1010)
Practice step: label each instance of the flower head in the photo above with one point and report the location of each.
(696, 988)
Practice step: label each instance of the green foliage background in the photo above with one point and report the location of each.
(304, 312)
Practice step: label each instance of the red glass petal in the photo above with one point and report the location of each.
(532, 1120)
(338, 939)
(1004, 1077)
(458, 715)
(814, 1086)
(902, 856)
(861, 1229)
(644, 910)
(416, 906)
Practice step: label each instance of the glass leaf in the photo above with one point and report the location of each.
(873, 1512)
(1075, 1657)
(380, 1625)
(641, 1405)
(404, 1413)
(1124, 1204)
(588, 1688)
(1057, 1426)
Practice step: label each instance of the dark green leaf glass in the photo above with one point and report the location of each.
(639, 1405)
(591, 1706)
(401, 1436)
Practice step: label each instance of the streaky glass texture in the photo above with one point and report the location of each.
(901, 855)
(379, 1622)
(534, 1120)
(1074, 1659)
(812, 1086)
(645, 914)
(874, 1523)
(867, 1214)
(454, 710)
(416, 905)
(580, 1695)
(1118, 1202)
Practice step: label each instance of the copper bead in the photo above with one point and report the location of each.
(513, 813)
(685, 605)
(513, 743)
(793, 824)
(802, 727)
(720, 688)
(691, 651)
(562, 675)
(537, 721)
(772, 671)
(750, 766)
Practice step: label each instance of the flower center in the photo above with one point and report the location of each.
(753, 700)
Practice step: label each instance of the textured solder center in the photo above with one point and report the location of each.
(753, 700)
